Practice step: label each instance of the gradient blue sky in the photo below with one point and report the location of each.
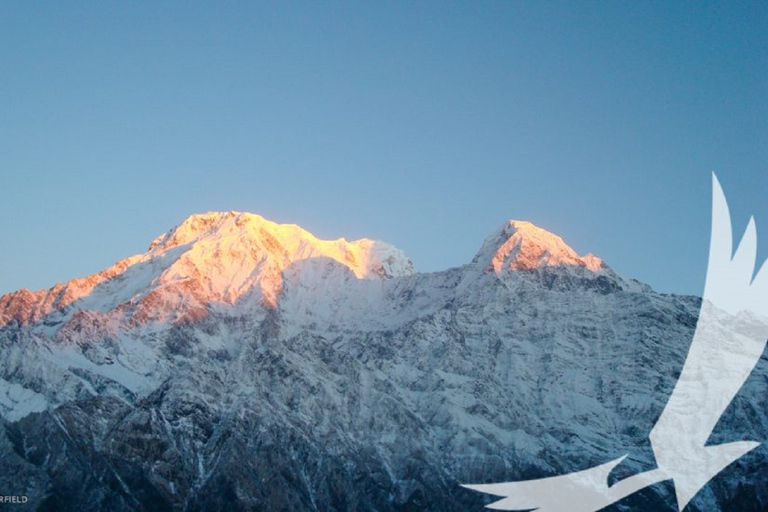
(424, 124)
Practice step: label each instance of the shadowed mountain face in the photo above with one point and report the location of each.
(245, 365)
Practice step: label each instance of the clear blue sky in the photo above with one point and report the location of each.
(424, 124)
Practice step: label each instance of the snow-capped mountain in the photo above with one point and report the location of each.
(246, 365)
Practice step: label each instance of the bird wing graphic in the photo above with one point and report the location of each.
(730, 337)
(580, 491)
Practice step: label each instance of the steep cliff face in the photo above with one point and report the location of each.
(245, 365)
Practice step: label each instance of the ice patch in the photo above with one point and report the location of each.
(17, 401)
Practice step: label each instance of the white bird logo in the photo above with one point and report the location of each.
(730, 337)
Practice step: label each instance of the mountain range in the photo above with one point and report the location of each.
(241, 364)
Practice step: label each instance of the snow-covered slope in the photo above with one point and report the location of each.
(209, 259)
(243, 364)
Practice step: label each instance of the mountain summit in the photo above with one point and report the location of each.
(520, 245)
(212, 258)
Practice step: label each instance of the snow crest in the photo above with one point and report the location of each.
(520, 245)
(209, 259)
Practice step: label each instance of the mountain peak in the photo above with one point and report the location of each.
(521, 245)
(234, 233)
(230, 254)
(210, 258)
(200, 224)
